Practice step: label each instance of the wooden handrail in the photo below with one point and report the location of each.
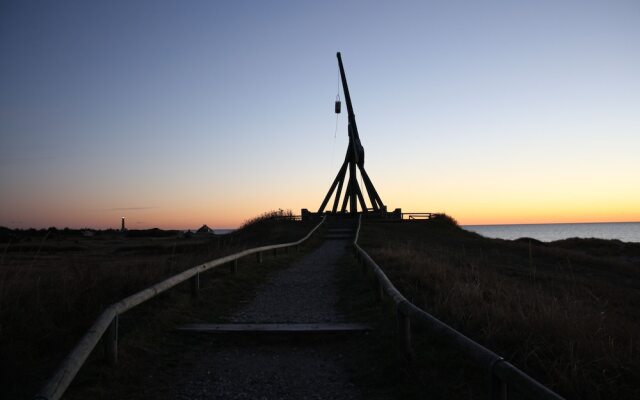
(418, 215)
(107, 321)
(502, 373)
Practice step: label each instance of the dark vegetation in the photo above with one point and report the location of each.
(380, 369)
(53, 283)
(566, 312)
(153, 356)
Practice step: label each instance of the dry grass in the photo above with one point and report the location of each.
(563, 315)
(270, 216)
(53, 285)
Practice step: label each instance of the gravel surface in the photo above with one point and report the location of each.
(286, 367)
(304, 292)
(276, 371)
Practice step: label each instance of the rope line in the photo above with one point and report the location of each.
(333, 146)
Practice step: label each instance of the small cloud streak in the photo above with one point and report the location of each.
(129, 208)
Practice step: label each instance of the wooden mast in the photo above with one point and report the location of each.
(353, 160)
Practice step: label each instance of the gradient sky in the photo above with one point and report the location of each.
(176, 114)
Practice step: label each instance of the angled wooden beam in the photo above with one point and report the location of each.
(347, 193)
(353, 184)
(333, 185)
(368, 182)
(369, 188)
(363, 205)
(339, 190)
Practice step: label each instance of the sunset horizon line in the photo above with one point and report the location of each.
(169, 227)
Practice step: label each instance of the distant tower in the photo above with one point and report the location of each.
(122, 228)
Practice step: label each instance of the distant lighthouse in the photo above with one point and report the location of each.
(122, 228)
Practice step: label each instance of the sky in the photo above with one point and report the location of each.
(178, 114)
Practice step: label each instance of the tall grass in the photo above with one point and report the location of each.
(52, 288)
(273, 215)
(566, 317)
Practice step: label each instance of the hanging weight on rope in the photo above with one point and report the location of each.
(338, 104)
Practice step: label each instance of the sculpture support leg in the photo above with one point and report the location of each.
(333, 185)
(363, 205)
(353, 184)
(371, 191)
(347, 193)
(339, 190)
(370, 188)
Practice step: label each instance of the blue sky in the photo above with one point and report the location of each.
(211, 112)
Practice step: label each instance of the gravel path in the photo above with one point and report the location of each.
(286, 368)
(304, 292)
(277, 371)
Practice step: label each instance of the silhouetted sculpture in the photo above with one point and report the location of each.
(353, 159)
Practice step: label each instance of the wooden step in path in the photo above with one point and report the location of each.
(339, 233)
(298, 328)
(338, 237)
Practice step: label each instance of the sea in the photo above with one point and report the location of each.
(223, 231)
(625, 231)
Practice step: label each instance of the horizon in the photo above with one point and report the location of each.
(117, 228)
(180, 115)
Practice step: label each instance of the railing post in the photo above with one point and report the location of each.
(377, 289)
(233, 267)
(498, 389)
(110, 340)
(259, 256)
(275, 252)
(195, 285)
(404, 333)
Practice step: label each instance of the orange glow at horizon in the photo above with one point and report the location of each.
(184, 217)
(501, 200)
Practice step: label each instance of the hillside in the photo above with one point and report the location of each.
(566, 312)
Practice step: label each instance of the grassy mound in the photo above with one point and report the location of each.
(566, 312)
(53, 284)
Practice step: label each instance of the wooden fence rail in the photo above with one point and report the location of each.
(418, 215)
(106, 325)
(502, 374)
